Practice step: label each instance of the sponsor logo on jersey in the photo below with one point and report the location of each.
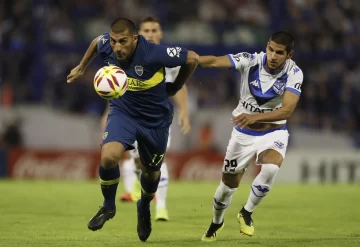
(279, 144)
(298, 86)
(296, 69)
(173, 51)
(103, 39)
(135, 84)
(255, 83)
(245, 55)
(250, 107)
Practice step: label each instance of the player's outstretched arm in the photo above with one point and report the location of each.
(90, 54)
(290, 101)
(181, 100)
(185, 72)
(215, 62)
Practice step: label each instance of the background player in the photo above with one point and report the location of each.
(150, 28)
(143, 114)
(269, 92)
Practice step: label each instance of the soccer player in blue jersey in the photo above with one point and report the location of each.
(150, 28)
(143, 114)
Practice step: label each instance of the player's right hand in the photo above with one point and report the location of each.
(184, 122)
(75, 73)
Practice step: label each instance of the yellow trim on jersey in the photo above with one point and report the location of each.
(109, 182)
(140, 85)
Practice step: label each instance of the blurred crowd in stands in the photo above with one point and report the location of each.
(40, 43)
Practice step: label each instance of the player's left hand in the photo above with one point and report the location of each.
(184, 122)
(243, 120)
(75, 73)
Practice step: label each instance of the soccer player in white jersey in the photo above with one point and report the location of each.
(150, 28)
(269, 92)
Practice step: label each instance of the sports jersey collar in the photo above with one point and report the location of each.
(264, 65)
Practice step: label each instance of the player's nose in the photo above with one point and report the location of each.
(273, 57)
(117, 49)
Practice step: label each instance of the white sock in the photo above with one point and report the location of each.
(261, 185)
(128, 174)
(222, 200)
(161, 192)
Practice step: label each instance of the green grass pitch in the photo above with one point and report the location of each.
(54, 213)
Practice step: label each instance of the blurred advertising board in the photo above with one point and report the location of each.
(298, 167)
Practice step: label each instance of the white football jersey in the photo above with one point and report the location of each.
(261, 91)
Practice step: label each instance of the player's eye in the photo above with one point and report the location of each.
(123, 41)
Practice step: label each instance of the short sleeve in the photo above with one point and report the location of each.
(104, 47)
(295, 81)
(167, 56)
(241, 60)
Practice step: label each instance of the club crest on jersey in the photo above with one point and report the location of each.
(279, 86)
(139, 70)
(105, 135)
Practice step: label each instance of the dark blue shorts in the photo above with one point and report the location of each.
(152, 142)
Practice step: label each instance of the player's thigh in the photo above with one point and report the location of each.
(152, 144)
(271, 148)
(240, 153)
(119, 135)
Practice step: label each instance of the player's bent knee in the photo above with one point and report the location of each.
(270, 156)
(109, 162)
(111, 154)
(151, 175)
(232, 180)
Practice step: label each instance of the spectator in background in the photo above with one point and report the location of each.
(12, 136)
(206, 139)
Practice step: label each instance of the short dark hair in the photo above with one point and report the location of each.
(149, 19)
(120, 25)
(283, 38)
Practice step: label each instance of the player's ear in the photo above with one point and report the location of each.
(267, 44)
(136, 37)
(290, 54)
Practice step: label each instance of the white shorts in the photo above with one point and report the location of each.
(242, 148)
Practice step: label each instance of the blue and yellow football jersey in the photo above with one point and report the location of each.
(146, 99)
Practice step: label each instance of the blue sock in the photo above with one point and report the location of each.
(148, 189)
(109, 180)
